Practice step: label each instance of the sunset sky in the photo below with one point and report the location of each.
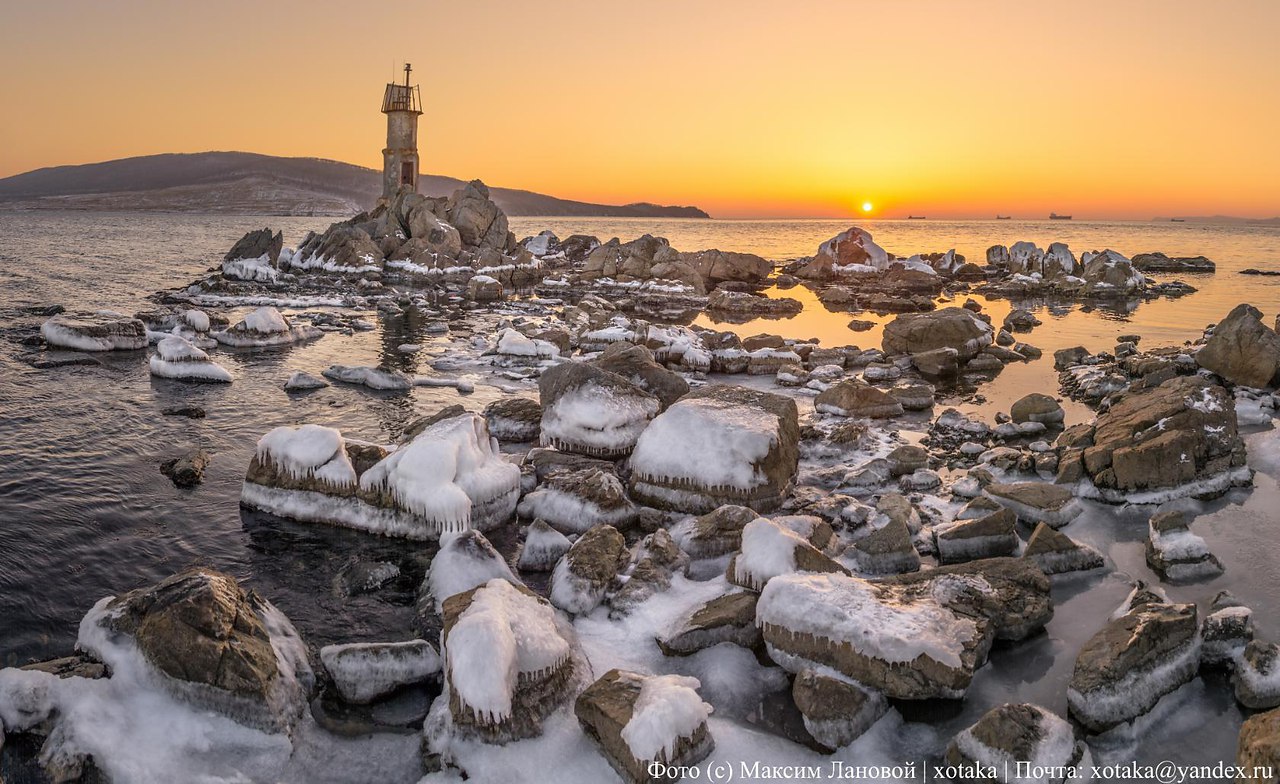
(1115, 109)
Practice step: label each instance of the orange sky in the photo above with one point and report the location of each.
(1116, 109)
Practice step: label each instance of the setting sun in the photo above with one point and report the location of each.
(866, 206)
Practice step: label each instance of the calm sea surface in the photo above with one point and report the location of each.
(85, 513)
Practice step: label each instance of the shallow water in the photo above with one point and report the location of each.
(85, 513)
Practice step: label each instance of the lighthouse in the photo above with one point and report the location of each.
(402, 104)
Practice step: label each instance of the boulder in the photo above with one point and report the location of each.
(855, 398)
(483, 288)
(573, 501)
(716, 533)
(1109, 274)
(364, 672)
(836, 711)
(464, 561)
(381, 379)
(1159, 262)
(938, 363)
(1055, 552)
(718, 266)
(654, 563)
(914, 636)
(186, 470)
(718, 445)
(887, 550)
(1020, 733)
(591, 411)
(1175, 553)
(954, 327)
(217, 646)
(177, 358)
(990, 536)
(430, 234)
(542, 548)
(480, 222)
(1242, 349)
(1226, 632)
(771, 548)
(1037, 407)
(1037, 502)
(1259, 747)
(589, 569)
(514, 419)
(509, 661)
(727, 618)
(101, 331)
(1137, 658)
(637, 365)
(343, 248)
(264, 327)
(638, 720)
(259, 244)
(850, 251)
(1257, 676)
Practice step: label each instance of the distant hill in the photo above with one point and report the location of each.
(248, 183)
(1218, 219)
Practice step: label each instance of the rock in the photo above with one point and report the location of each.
(718, 266)
(216, 646)
(1018, 734)
(990, 536)
(254, 256)
(1226, 632)
(343, 249)
(1137, 658)
(1259, 747)
(301, 382)
(509, 661)
(358, 576)
(718, 445)
(1162, 438)
(1159, 262)
(1109, 274)
(542, 548)
(638, 720)
(850, 251)
(588, 570)
(186, 470)
(654, 563)
(381, 379)
(836, 711)
(590, 411)
(264, 327)
(637, 365)
(938, 363)
(1242, 349)
(1067, 357)
(854, 398)
(1257, 676)
(574, 501)
(1055, 552)
(101, 331)
(480, 222)
(771, 548)
(482, 288)
(364, 672)
(715, 533)
(887, 550)
(1175, 553)
(1037, 502)
(727, 618)
(741, 305)
(957, 328)
(514, 419)
(1020, 320)
(313, 474)
(465, 560)
(914, 397)
(1036, 407)
(427, 232)
(190, 412)
(176, 358)
(914, 636)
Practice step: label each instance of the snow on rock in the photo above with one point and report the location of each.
(258, 269)
(509, 662)
(718, 445)
(465, 560)
(715, 533)
(177, 358)
(851, 251)
(1226, 631)
(727, 618)
(1010, 737)
(912, 636)
(264, 327)
(1256, 679)
(364, 672)
(641, 719)
(542, 548)
(371, 377)
(308, 453)
(574, 501)
(770, 549)
(589, 569)
(1137, 658)
(1055, 552)
(514, 344)
(300, 381)
(836, 710)
(591, 411)
(1036, 502)
(1175, 553)
(514, 419)
(101, 331)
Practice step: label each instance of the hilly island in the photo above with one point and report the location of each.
(234, 183)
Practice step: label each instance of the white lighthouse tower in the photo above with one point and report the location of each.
(402, 104)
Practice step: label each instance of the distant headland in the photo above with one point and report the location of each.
(250, 183)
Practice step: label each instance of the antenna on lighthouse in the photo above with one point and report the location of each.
(407, 69)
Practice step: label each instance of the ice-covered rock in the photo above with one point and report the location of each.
(509, 662)
(1242, 349)
(639, 720)
(514, 419)
(718, 445)
(1225, 633)
(542, 548)
(374, 378)
(450, 476)
(1055, 552)
(1036, 407)
(1175, 553)
(591, 411)
(1037, 502)
(836, 711)
(177, 358)
(300, 381)
(989, 536)
(1137, 658)
(713, 534)
(637, 365)
(512, 343)
(464, 561)
(1257, 676)
(343, 249)
(654, 562)
(727, 618)
(364, 672)
(851, 251)
(955, 328)
(1110, 274)
(574, 501)
(264, 327)
(771, 548)
(914, 636)
(100, 331)
(1021, 737)
(588, 570)
(854, 398)
(886, 550)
